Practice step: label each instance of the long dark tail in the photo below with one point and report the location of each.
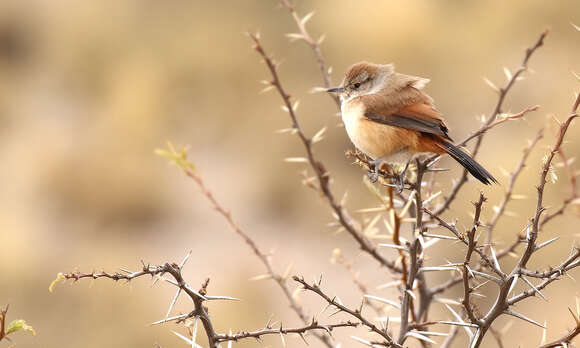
(468, 163)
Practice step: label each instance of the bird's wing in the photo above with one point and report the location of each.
(421, 117)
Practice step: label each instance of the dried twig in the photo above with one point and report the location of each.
(314, 325)
(509, 190)
(319, 169)
(470, 248)
(200, 311)
(497, 110)
(565, 340)
(503, 302)
(281, 280)
(3, 313)
(314, 45)
(356, 313)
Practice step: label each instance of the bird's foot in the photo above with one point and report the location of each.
(400, 180)
(374, 175)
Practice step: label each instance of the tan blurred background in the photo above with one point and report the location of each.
(88, 90)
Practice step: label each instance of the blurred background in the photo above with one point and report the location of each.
(89, 89)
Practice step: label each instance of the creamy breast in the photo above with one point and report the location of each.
(374, 139)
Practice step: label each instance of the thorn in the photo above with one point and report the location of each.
(544, 332)
(486, 276)
(534, 288)
(294, 36)
(538, 247)
(226, 298)
(460, 320)
(419, 337)
(306, 18)
(576, 319)
(296, 160)
(282, 338)
(172, 304)
(513, 284)
(318, 136)
(507, 73)
(437, 268)
(383, 300)
(523, 317)
(490, 84)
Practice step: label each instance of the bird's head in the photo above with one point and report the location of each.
(361, 79)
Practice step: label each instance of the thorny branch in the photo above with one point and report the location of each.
(409, 272)
(173, 269)
(497, 110)
(356, 313)
(281, 280)
(471, 244)
(512, 182)
(284, 331)
(314, 45)
(3, 313)
(566, 340)
(480, 262)
(319, 169)
(200, 312)
(506, 284)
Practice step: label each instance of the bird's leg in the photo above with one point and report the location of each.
(374, 176)
(400, 185)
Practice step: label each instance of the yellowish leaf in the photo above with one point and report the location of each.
(17, 325)
(59, 278)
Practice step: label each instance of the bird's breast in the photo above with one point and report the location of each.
(352, 114)
(374, 139)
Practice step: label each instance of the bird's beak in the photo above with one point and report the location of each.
(335, 90)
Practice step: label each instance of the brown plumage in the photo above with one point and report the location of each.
(388, 117)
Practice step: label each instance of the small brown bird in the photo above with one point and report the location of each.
(389, 118)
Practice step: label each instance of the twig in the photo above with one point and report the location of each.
(279, 279)
(314, 45)
(470, 248)
(284, 331)
(406, 300)
(3, 313)
(319, 169)
(200, 311)
(509, 191)
(565, 340)
(356, 313)
(486, 125)
(174, 270)
(502, 303)
(573, 184)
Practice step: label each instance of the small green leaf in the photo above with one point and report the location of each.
(17, 325)
(177, 157)
(59, 278)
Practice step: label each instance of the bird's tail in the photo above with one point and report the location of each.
(468, 163)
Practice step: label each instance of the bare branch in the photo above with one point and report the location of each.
(509, 191)
(490, 120)
(284, 331)
(319, 169)
(314, 45)
(356, 313)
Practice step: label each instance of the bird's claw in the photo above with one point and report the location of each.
(398, 181)
(373, 176)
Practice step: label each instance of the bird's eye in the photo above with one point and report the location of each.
(357, 85)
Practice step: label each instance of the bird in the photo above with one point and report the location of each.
(389, 117)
